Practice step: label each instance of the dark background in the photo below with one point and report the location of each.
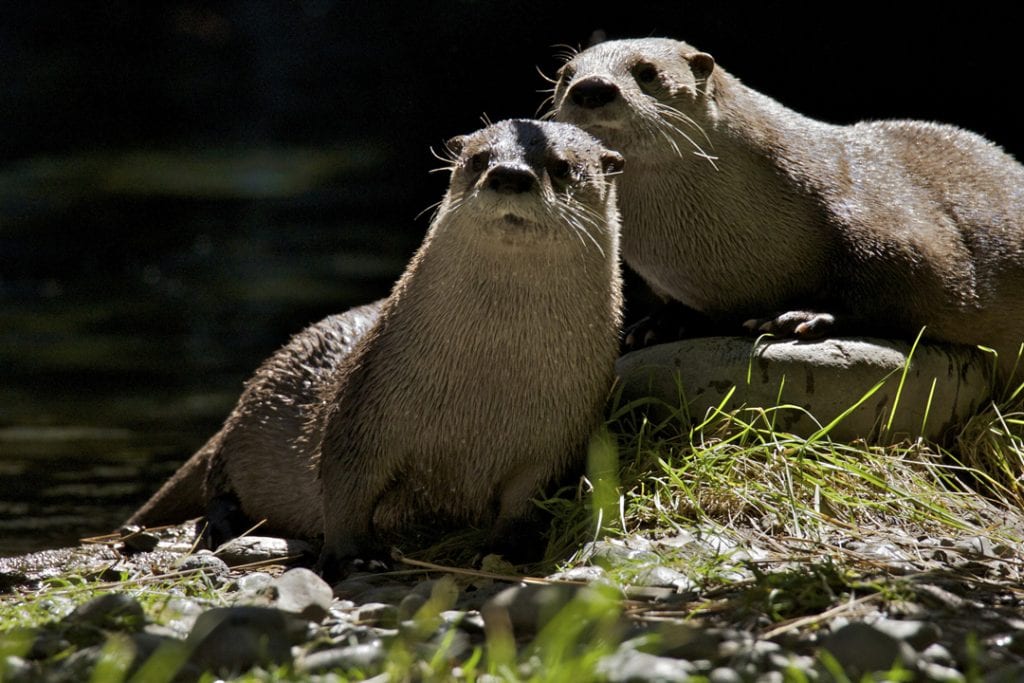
(185, 184)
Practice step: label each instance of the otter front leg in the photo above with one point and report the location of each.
(350, 496)
(796, 324)
(518, 530)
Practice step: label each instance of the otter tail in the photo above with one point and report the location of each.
(181, 497)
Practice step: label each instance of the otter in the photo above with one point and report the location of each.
(753, 214)
(439, 402)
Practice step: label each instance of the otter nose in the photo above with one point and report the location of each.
(593, 92)
(510, 179)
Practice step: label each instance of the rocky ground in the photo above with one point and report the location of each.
(641, 609)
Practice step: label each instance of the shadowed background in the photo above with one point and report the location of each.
(182, 186)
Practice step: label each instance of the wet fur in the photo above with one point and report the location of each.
(752, 210)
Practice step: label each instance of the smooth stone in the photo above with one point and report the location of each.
(614, 554)
(684, 641)
(110, 612)
(235, 639)
(724, 675)
(135, 539)
(300, 591)
(919, 634)
(861, 648)
(179, 615)
(940, 674)
(18, 670)
(824, 377)
(365, 657)
(377, 614)
(254, 582)
(631, 666)
(391, 593)
(659, 575)
(204, 560)
(937, 654)
(584, 574)
(470, 622)
(351, 588)
(250, 549)
(525, 609)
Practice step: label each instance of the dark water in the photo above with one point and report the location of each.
(138, 291)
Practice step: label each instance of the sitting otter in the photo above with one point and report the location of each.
(439, 402)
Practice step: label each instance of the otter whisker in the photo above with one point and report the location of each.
(549, 100)
(549, 79)
(665, 123)
(575, 215)
(435, 205)
(566, 51)
(672, 112)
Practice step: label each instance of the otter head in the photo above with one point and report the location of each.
(649, 94)
(533, 181)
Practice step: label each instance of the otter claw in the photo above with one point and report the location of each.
(796, 324)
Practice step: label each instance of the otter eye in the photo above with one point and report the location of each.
(478, 162)
(645, 73)
(560, 169)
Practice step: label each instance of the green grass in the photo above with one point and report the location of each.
(729, 477)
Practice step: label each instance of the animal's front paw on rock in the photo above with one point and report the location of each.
(795, 324)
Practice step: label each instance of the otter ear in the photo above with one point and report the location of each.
(701, 64)
(455, 145)
(612, 162)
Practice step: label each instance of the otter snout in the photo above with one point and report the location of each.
(593, 92)
(509, 178)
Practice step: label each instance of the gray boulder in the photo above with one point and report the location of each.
(820, 380)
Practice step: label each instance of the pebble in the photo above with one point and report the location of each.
(113, 612)
(615, 553)
(659, 575)
(205, 560)
(724, 675)
(630, 666)
(302, 592)
(135, 539)
(940, 674)
(919, 634)
(179, 615)
(861, 648)
(583, 574)
(235, 639)
(249, 549)
(524, 610)
(377, 614)
(254, 582)
(366, 657)
(684, 641)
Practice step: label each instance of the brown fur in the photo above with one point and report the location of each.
(263, 453)
(888, 225)
(480, 380)
(490, 364)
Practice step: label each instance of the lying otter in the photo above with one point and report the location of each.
(745, 210)
(439, 402)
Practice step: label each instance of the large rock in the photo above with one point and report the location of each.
(822, 379)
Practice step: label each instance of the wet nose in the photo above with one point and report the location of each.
(593, 92)
(510, 179)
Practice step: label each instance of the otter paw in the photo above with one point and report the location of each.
(796, 324)
(337, 563)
